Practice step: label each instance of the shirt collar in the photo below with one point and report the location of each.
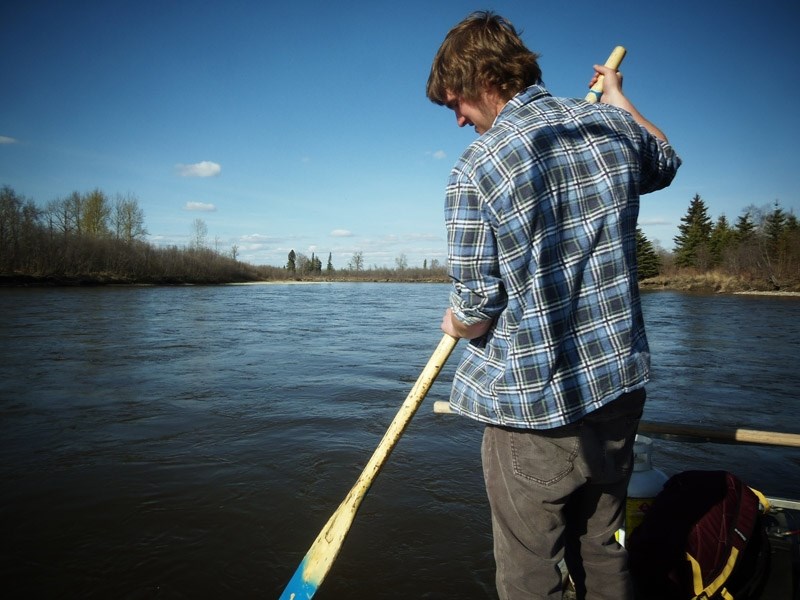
(530, 94)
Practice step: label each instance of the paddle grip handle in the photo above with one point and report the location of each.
(613, 62)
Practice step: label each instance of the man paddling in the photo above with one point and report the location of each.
(541, 216)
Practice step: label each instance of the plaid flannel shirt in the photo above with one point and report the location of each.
(541, 219)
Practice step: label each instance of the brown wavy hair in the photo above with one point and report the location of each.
(483, 51)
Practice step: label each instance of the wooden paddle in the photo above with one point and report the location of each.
(743, 436)
(319, 558)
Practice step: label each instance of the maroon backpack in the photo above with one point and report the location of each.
(702, 538)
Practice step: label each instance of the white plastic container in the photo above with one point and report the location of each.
(646, 481)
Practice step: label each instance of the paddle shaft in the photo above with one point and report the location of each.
(319, 558)
(744, 436)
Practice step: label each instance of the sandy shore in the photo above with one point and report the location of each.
(778, 293)
(287, 282)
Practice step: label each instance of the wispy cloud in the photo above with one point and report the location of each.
(204, 168)
(199, 207)
(341, 233)
(439, 155)
(655, 221)
(424, 237)
(256, 238)
(4, 139)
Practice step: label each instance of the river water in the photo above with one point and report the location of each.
(190, 442)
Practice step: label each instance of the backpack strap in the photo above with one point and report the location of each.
(762, 499)
(701, 592)
(704, 592)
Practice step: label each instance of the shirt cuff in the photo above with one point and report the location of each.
(467, 315)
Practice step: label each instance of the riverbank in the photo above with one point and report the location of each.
(718, 283)
(709, 283)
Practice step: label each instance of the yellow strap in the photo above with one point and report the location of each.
(697, 576)
(711, 588)
(762, 499)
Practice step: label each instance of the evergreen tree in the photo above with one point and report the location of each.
(691, 244)
(329, 268)
(791, 240)
(792, 225)
(291, 265)
(646, 257)
(722, 238)
(774, 226)
(745, 228)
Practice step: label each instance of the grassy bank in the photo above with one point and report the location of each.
(721, 283)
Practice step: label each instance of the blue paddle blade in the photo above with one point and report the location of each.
(298, 588)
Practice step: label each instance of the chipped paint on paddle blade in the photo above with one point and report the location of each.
(298, 588)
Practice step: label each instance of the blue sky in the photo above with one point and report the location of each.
(305, 125)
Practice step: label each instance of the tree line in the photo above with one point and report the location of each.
(761, 248)
(92, 238)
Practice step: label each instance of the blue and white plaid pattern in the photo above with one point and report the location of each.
(541, 218)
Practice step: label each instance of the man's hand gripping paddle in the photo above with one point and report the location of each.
(613, 62)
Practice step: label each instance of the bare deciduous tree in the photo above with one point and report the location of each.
(357, 262)
(127, 219)
(199, 234)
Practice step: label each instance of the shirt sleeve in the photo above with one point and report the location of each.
(479, 294)
(660, 163)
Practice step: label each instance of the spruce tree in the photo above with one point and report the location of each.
(774, 226)
(695, 232)
(722, 238)
(745, 228)
(291, 265)
(646, 257)
(792, 225)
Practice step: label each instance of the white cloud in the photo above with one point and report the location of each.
(204, 168)
(425, 237)
(655, 221)
(200, 207)
(256, 238)
(4, 139)
(341, 233)
(439, 155)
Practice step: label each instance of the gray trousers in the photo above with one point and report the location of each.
(560, 493)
